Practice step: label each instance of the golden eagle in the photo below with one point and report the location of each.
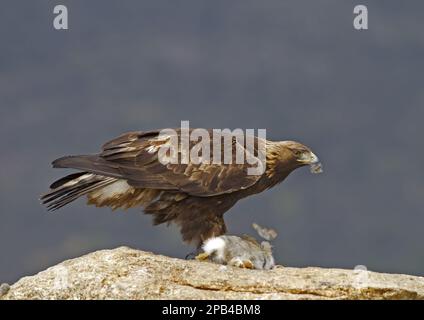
(195, 196)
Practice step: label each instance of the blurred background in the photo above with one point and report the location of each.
(297, 68)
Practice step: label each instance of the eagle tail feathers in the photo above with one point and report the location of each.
(82, 162)
(91, 163)
(71, 187)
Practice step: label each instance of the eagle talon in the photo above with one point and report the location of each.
(193, 255)
(202, 256)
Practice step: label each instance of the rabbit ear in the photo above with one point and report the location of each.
(265, 233)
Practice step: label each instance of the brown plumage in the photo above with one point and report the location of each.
(127, 173)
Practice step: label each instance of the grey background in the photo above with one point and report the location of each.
(296, 68)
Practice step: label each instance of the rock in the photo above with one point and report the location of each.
(125, 273)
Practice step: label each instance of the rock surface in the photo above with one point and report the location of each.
(125, 273)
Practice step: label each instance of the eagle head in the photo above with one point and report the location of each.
(292, 154)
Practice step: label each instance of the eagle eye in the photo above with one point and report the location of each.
(298, 153)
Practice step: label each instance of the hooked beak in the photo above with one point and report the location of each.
(313, 161)
(315, 165)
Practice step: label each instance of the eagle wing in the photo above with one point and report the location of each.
(134, 156)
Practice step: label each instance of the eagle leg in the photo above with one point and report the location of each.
(194, 254)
